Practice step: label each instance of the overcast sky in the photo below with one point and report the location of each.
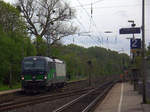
(108, 15)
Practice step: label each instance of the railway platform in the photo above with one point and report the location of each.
(8, 95)
(122, 98)
(9, 91)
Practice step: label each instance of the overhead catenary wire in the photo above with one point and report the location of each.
(118, 6)
(89, 16)
(84, 29)
(96, 2)
(90, 3)
(78, 20)
(80, 23)
(99, 40)
(91, 37)
(91, 19)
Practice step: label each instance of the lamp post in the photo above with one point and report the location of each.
(143, 50)
(132, 25)
(134, 71)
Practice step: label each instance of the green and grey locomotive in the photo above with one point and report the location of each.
(40, 73)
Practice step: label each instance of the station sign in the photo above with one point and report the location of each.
(135, 30)
(135, 43)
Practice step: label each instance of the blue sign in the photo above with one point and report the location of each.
(130, 30)
(135, 43)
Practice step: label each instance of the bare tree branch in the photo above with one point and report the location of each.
(41, 14)
(50, 19)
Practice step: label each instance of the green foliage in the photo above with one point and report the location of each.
(10, 19)
(6, 87)
(104, 62)
(14, 43)
(13, 47)
(148, 51)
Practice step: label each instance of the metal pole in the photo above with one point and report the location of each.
(143, 50)
(10, 77)
(134, 73)
(90, 67)
(133, 57)
(48, 45)
(133, 25)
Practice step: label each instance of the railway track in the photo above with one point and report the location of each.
(19, 95)
(70, 90)
(86, 102)
(40, 99)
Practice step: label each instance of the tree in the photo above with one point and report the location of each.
(14, 43)
(104, 62)
(13, 47)
(50, 19)
(10, 18)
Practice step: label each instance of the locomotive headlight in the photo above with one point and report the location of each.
(22, 78)
(45, 77)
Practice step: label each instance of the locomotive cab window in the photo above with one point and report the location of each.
(31, 64)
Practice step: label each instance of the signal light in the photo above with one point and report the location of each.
(45, 77)
(22, 78)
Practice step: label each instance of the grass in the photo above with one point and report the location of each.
(148, 101)
(6, 87)
(16, 86)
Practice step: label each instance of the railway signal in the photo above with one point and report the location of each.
(90, 66)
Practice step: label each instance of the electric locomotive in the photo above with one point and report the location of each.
(41, 73)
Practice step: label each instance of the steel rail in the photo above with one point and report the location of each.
(19, 104)
(100, 97)
(91, 93)
(7, 98)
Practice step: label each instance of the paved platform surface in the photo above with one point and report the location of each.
(9, 91)
(122, 98)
